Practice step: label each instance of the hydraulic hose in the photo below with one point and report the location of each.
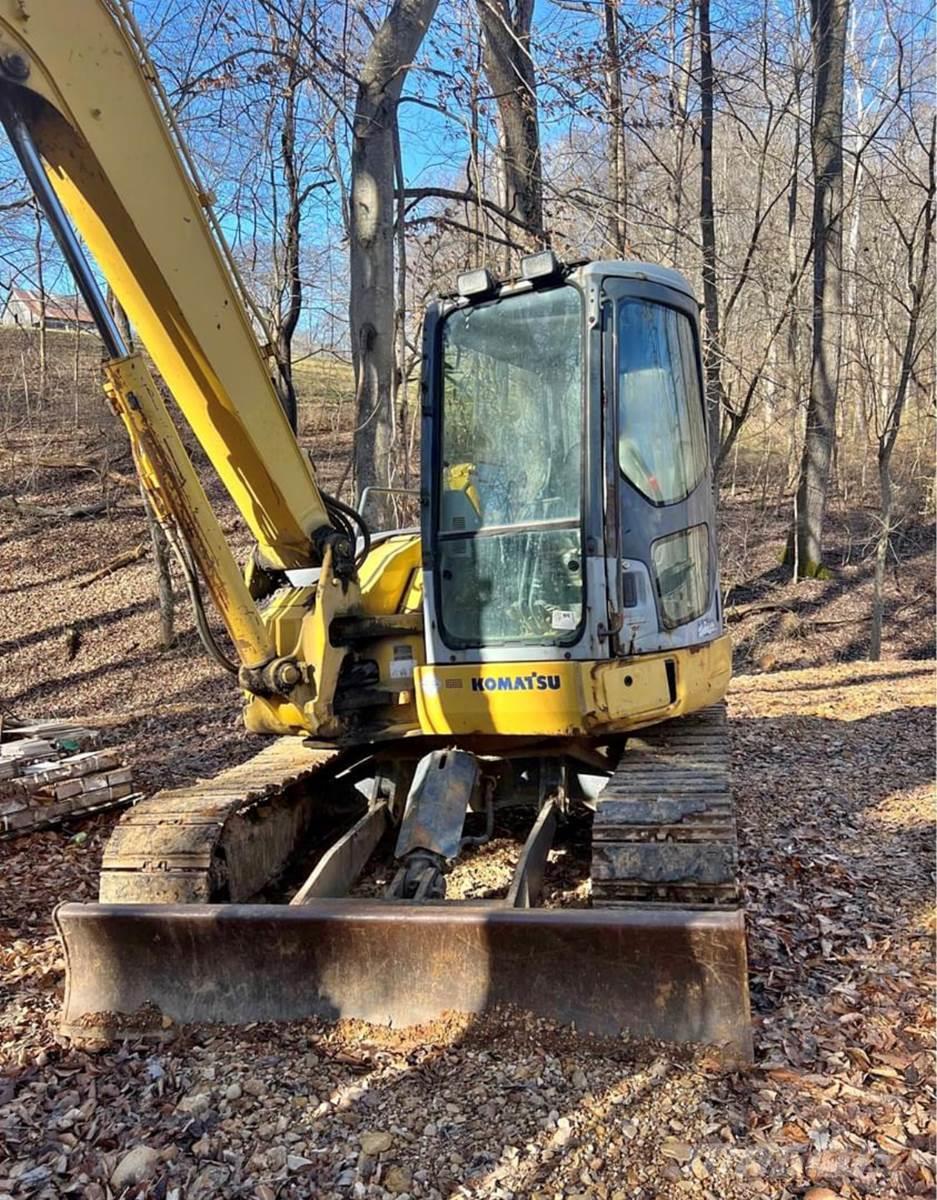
(183, 553)
(346, 519)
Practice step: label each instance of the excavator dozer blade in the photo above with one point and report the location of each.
(676, 975)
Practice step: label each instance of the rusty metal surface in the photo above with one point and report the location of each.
(339, 868)
(672, 974)
(527, 884)
(440, 795)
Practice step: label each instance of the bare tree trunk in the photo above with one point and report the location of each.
(830, 19)
(118, 312)
(712, 351)
(76, 390)
(510, 72)
(792, 342)
(679, 107)
(288, 303)
(881, 555)
(474, 171)
(372, 222)
(889, 436)
(401, 392)
(287, 316)
(40, 281)
(851, 265)
(618, 218)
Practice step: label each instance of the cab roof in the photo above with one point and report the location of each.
(645, 272)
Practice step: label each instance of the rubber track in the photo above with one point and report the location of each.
(664, 832)
(172, 848)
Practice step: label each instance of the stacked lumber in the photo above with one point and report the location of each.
(51, 771)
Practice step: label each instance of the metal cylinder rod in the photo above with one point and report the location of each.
(25, 149)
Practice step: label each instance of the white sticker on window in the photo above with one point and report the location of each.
(563, 619)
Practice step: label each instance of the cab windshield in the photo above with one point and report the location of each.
(508, 521)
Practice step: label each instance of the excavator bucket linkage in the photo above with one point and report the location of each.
(671, 974)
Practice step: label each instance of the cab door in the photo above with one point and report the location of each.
(659, 461)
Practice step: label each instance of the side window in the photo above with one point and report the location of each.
(681, 575)
(661, 433)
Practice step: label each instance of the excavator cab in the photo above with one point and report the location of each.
(572, 399)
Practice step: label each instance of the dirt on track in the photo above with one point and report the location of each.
(833, 772)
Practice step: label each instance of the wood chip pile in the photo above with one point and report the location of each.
(50, 771)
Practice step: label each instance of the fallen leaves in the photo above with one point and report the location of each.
(834, 802)
(673, 1148)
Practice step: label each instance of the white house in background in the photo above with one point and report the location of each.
(24, 308)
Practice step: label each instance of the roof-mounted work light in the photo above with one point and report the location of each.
(542, 265)
(476, 283)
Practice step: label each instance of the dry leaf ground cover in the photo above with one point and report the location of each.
(834, 770)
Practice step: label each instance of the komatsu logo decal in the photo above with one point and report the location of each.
(516, 683)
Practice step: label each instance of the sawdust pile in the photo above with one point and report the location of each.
(834, 780)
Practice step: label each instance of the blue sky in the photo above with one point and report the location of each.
(435, 145)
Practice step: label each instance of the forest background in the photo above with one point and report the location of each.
(781, 155)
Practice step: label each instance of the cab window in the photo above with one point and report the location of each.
(662, 445)
(682, 575)
(508, 529)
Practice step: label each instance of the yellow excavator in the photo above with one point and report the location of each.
(550, 638)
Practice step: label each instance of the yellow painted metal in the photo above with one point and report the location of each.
(284, 614)
(179, 500)
(304, 635)
(113, 164)
(701, 676)
(298, 621)
(334, 598)
(387, 575)
(461, 478)
(397, 658)
(568, 699)
(631, 689)
(506, 698)
(390, 581)
(413, 598)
